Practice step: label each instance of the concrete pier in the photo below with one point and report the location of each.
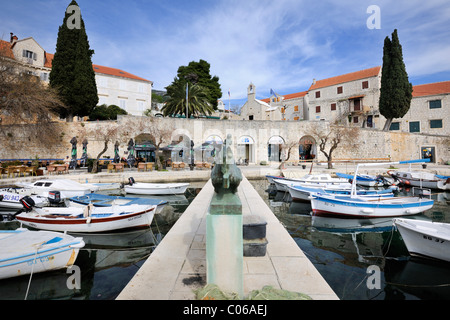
(178, 265)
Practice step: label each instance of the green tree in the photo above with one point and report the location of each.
(198, 103)
(396, 90)
(104, 112)
(72, 73)
(199, 73)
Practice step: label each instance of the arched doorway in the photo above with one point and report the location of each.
(245, 149)
(307, 149)
(274, 148)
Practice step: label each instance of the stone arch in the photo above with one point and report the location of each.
(246, 149)
(307, 149)
(274, 148)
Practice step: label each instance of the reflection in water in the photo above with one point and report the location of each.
(343, 249)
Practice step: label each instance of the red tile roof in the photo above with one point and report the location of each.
(5, 49)
(116, 72)
(48, 60)
(431, 89)
(289, 96)
(362, 74)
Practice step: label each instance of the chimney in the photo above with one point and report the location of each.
(13, 38)
(314, 81)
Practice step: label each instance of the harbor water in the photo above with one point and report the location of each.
(107, 262)
(343, 251)
(346, 251)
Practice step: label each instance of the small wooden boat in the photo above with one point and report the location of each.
(356, 206)
(155, 188)
(102, 200)
(87, 218)
(23, 251)
(425, 238)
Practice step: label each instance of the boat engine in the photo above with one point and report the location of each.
(131, 181)
(54, 197)
(27, 203)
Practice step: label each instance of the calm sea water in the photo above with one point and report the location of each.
(343, 249)
(107, 262)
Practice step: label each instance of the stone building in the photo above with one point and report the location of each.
(114, 86)
(429, 112)
(349, 98)
(255, 109)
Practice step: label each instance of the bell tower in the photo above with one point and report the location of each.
(251, 91)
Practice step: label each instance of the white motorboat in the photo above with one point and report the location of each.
(68, 188)
(23, 251)
(10, 199)
(321, 179)
(87, 218)
(155, 188)
(425, 238)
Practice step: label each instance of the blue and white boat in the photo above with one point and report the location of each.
(23, 251)
(101, 200)
(303, 193)
(368, 180)
(354, 205)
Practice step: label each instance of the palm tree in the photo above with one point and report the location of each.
(196, 97)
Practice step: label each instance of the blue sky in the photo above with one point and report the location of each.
(281, 44)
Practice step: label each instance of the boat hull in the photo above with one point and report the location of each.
(156, 189)
(422, 238)
(367, 208)
(34, 256)
(91, 224)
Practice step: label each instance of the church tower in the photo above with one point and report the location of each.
(251, 92)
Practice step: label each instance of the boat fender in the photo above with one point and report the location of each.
(88, 220)
(131, 181)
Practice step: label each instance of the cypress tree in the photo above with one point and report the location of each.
(72, 72)
(396, 90)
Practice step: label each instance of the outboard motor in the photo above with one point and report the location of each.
(131, 181)
(27, 203)
(54, 197)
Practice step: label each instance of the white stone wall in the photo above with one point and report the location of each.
(369, 143)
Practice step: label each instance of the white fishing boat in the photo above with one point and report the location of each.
(421, 179)
(87, 218)
(68, 188)
(357, 206)
(271, 178)
(303, 193)
(155, 188)
(320, 179)
(23, 251)
(425, 238)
